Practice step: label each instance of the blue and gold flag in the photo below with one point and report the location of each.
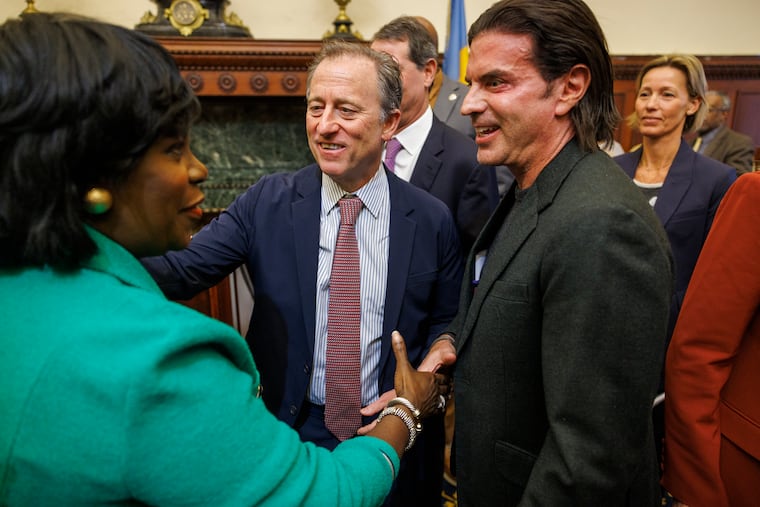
(455, 56)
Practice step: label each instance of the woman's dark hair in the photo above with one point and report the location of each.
(80, 103)
(564, 33)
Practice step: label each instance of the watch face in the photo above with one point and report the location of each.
(184, 12)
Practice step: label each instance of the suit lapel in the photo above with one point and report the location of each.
(429, 162)
(629, 161)
(509, 228)
(520, 222)
(444, 105)
(676, 184)
(484, 240)
(306, 213)
(401, 236)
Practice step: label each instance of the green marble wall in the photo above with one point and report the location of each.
(242, 139)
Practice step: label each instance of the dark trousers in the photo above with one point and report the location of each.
(420, 476)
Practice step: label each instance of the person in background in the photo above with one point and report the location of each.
(613, 150)
(284, 229)
(712, 417)
(683, 187)
(111, 394)
(446, 94)
(719, 142)
(432, 155)
(564, 303)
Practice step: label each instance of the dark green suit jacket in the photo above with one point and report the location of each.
(560, 343)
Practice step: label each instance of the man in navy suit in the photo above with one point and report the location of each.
(434, 156)
(445, 94)
(284, 230)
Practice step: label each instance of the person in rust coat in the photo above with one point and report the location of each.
(712, 372)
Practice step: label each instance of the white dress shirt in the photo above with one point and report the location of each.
(412, 138)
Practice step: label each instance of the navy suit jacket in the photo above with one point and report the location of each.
(686, 206)
(448, 168)
(273, 228)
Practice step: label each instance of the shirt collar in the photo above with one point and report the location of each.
(709, 136)
(414, 136)
(372, 193)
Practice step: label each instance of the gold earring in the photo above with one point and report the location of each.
(97, 201)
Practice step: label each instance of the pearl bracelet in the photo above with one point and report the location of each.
(408, 404)
(408, 420)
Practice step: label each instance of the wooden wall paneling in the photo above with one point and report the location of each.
(625, 69)
(215, 302)
(625, 98)
(243, 67)
(746, 114)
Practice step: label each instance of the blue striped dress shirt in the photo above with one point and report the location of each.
(372, 235)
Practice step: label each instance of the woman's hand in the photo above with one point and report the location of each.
(428, 392)
(441, 357)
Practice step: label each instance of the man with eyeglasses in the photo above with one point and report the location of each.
(719, 142)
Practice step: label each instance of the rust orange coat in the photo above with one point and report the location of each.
(712, 372)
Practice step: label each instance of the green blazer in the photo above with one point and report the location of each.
(560, 344)
(113, 395)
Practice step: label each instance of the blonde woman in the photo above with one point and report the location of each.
(683, 187)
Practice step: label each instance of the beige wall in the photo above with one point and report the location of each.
(637, 27)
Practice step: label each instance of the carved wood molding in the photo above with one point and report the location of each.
(717, 68)
(271, 67)
(243, 67)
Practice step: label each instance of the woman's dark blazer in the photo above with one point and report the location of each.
(686, 206)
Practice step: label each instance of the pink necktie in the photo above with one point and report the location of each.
(392, 148)
(343, 369)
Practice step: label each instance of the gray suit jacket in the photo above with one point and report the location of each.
(732, 148)
(448, 105)
(560, 343)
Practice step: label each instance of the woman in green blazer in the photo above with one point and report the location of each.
(111, 394)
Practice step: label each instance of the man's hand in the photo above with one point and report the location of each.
(375, 408)
(441, 354)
